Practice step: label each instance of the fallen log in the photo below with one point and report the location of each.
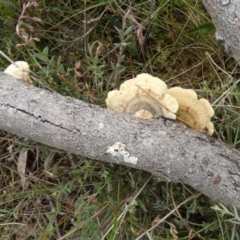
(162, 147)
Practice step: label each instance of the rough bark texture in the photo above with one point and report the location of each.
(226, 17)
(169, 151)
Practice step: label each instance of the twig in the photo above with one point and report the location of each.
(9, 59)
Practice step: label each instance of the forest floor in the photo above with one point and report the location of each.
(84, 49)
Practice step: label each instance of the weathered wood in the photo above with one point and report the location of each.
(226, 17)
(168, 150)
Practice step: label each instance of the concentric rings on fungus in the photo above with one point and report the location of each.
(145, 97)
(192, 112)
(148, 97)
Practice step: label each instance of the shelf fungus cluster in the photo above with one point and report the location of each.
(148, 97)
(20, 70)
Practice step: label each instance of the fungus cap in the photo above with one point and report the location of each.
(192, 112)
(145, 97)
(20, 70)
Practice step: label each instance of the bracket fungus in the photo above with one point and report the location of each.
(192, 112)
(20, 70)
(145, 97)
(148, 97)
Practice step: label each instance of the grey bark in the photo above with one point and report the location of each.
(226, 17)
(162, 147)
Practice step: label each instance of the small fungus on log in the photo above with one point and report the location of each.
(20, 70)
(145, 97)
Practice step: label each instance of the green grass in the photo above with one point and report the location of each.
(84, 49)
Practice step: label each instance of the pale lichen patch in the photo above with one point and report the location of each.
(101, 125)
(118, 150)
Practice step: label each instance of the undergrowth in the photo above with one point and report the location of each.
(84, 49)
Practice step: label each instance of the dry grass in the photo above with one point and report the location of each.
(84, 50)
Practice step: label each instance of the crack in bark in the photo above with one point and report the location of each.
(38, 117)
(229, 159)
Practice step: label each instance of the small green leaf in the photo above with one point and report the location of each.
(41, 57)
(128, 30)
(45, 51)
(177, 3)
(202, 29)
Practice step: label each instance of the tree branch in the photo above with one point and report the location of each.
(162, 147)
(226, 17)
